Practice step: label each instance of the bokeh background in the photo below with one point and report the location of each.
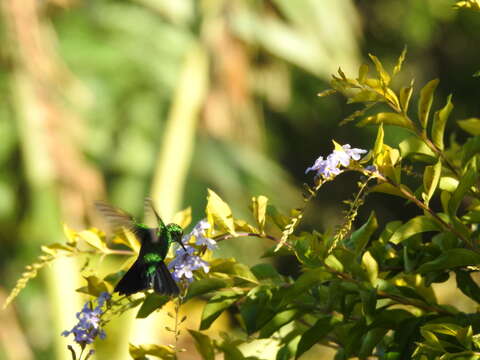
(119, 99)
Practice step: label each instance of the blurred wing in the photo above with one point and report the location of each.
(151, 214)
(119, 219)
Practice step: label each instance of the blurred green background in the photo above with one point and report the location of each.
(122, 99)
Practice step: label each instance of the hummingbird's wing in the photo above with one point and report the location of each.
(149, 212)
(120, 220)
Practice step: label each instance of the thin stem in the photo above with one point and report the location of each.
(432, 213)
(351, 215)
(245, 234)
(176, 329)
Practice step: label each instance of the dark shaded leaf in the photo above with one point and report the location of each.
(151, 303)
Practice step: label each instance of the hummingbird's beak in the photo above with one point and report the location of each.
(183, 246)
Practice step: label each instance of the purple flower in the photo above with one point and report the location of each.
(354, 153)
(330, 167)
(199, 232)
(89, 322)
(185, 263)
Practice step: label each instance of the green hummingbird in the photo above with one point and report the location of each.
(149, 269)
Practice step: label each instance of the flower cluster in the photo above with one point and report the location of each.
(331, 166)
(89, 322)
(199, 232)
(186, 262)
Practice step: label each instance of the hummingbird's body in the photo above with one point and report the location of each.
(149, 270)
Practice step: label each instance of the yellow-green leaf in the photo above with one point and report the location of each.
(405, 96)
(400, 61)
(414, 146)
(425, 103)
(219, 213)
(468, 4)
(471, 125)
(385, 78)
(93, 240)
(259, 209)
(70, 234)
(431, 178)
(439, 121)
(183, 217)
(415, 226)
(327, 92)
(57, 249)
(448, 183)
(95, 286)
(362, 73)
(161, 351)
(378, 147)
(387, 188)
(371, 266)
(388, 118)
(363, 96)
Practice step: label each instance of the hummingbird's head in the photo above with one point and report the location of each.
(176, 232)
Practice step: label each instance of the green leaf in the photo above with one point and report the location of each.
(280, 319)
(451, 259)
(471, 125)
(219, 213)
(233, 268)
(204, 286)
(414, 226)
(389, 189)
(370, 340)
(470, 148)
(264, 271)
(387, 118)
(431, 179)
(256, 310)
(216, 305)
(467, 285)
(425, 102)
(432, 339)
(359, 238)
(203, 344)
(405, 96)
(466, 182)
(231, 352)
(277, 218)
(439, 121)
(316, 333)
(160, 351)
(309, 279)
(151, 303)
(259, 208)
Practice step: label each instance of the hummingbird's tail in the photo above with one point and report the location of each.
(138, 278)
(163, 282)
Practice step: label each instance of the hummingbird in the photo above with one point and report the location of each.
(149, 270)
